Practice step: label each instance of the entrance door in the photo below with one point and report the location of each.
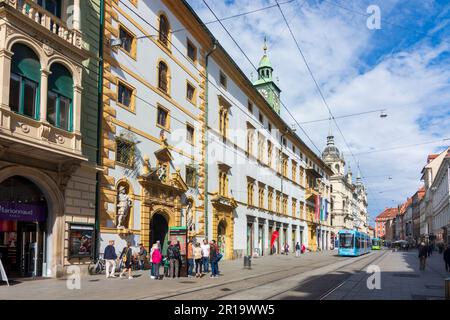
(221, 238)
(30, 253)
(159, 231)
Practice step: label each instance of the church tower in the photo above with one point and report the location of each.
(265, 84)
(332, 157)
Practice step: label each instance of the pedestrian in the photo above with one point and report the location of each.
(286, 249)
(190, 258)
(156, 262)
(303, 248)
(198, 260)
(173, 254)
(180, 261)
(127, 260)
(423, 253)
(213, 251)
(205, 255)
(446, 257)
(110, 257)
(430, 249)
(150, 260)
(297, 249)
(142, 256)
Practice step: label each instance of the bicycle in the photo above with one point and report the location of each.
(97, 267)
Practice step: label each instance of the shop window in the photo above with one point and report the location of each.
(24, 81)
(125, 152)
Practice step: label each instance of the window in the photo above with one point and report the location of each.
(191, 177)
(285, 203)
(52, 6)
(294, 207)
(261, 118)
(260, 147)
(269, 153)
(190, 134)
(125, 95)
(285, 165)
(261, 188)
(270, 199)
(250, 189)
(164, 29)
(223, 184)
(190, 92)
(293, 149)
(25, 79)
(223, 79)
(223, 121)
(277, 203)
(250, 106)
(163, 118)
(346, 241)
(191, 51)
(294, 171)
(128, 41)
(60, 95)
(125, 151)
(302, 206)
(270, 128)
(250, 137)
(163, 77)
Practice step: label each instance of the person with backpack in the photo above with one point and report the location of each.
(156, 262)
(173, 254)
(127, 260)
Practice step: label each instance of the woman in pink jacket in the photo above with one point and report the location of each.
(156, 262)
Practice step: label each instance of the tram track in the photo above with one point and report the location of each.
(229, 288)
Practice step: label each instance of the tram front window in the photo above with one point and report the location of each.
(346, 241)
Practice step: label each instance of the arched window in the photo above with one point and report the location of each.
(25, 79)
(337, 168)
(164, 30)
(60, 97)
(163, 77)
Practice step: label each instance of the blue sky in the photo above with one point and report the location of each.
(404, 67)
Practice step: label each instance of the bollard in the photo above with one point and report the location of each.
(447, 289)
(248, 262)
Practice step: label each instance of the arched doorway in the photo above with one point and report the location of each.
(23, 227)
(159, 230)
(222, 237)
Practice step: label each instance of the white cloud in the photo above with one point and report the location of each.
(412, 83)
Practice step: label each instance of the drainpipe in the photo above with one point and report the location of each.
(99, 128)
(215, 42)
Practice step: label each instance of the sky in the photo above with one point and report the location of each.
(402, 67)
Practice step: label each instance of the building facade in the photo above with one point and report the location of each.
(348, 199)
(189, 141)
(48, 134)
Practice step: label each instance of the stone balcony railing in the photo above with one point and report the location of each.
(31, 10)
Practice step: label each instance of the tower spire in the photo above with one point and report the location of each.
(265, 45)
(330, 138)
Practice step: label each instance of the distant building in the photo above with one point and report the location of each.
(384, 223)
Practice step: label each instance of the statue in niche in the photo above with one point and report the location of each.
(123, 207)
(162, 173)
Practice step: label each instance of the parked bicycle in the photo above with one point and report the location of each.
(97, 266)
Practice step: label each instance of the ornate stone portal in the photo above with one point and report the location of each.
(223, 224)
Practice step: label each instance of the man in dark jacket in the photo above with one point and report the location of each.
(142, 256)
(173, 254)
(423, 254)
(110, 257)
(213, 252)
(447, 258)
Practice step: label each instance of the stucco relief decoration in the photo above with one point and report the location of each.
(45, 132)
(47, 49)
(123, 207)
(60, 139)
(25, 128)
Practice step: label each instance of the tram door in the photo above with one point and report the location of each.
(31, 250)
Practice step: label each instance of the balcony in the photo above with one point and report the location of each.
(311, 192)
(28, 12)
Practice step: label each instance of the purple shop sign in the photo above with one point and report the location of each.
(22, 212)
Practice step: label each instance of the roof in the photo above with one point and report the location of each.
(265, 62)
(387, 214)
(404, 207)
(431, 157)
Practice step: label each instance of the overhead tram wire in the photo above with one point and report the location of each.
(256, 69)
(345, 116)
(238, 15)
(210, 81)
(404, 146)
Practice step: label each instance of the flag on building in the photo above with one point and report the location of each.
(317, 207)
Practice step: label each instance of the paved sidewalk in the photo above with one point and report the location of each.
(142, 287)
(401, 279)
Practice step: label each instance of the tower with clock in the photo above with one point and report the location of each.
(265, 84)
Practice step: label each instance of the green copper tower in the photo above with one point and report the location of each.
(265, 84)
